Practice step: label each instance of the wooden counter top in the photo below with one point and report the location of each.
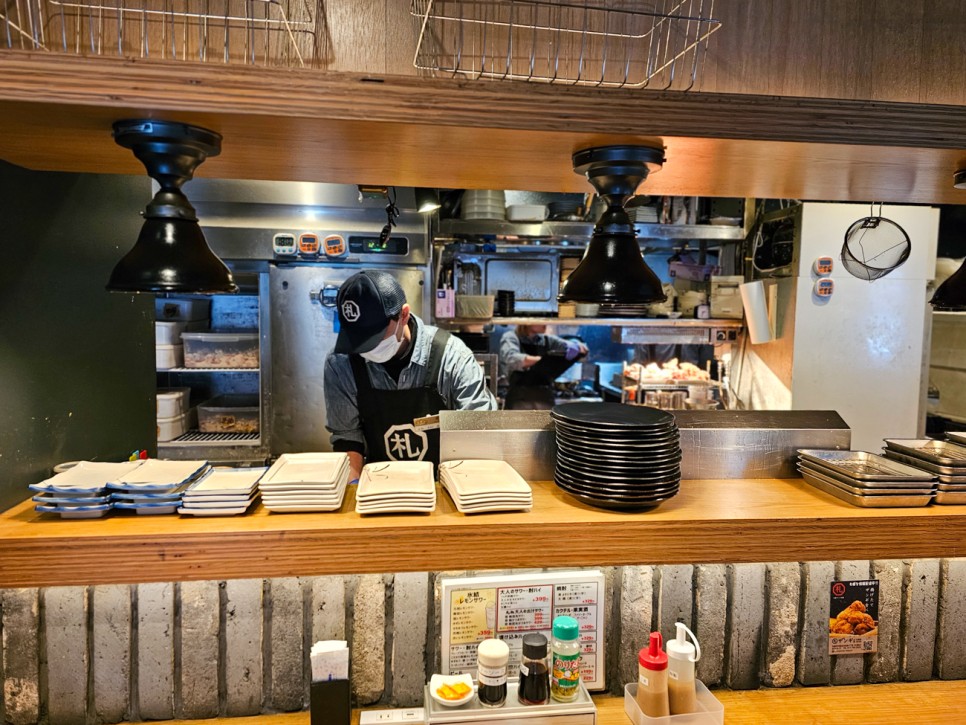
(897, 703)
(707, 522)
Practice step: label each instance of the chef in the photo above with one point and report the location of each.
(531, 360)
(390, 374)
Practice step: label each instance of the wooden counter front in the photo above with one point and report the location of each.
(707, 522)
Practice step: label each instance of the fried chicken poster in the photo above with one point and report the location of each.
(853, 617)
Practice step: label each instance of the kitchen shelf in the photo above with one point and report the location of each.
(709, 521)
(595, 321)
(582, 231)
(210, 370)
(934, 702)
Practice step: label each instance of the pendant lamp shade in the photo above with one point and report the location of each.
(951, 295)
(171, 254)
(613, 270)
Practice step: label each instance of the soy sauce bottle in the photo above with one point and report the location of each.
(492, 657)
(534, 671)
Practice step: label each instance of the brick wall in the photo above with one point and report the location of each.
(198, 649)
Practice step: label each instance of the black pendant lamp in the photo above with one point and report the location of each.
(951, 295)
(171, 254)
(613, 270)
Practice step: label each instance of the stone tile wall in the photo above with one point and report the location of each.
(107, 654)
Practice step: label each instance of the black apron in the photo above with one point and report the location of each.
(532, 389)
(388, 416)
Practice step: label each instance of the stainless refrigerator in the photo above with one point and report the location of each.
(257, 223)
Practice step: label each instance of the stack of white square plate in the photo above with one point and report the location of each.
(222, 492)
(156, 486)
(477, 486)
(80, 492)
(305, 482)
(396, 487)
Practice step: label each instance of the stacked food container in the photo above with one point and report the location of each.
(866, 479)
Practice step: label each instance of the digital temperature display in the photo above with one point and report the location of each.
(373, 245)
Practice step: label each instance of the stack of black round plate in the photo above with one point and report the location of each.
(617, 456)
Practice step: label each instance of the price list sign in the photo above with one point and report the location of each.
(510, 607)
(853, 617)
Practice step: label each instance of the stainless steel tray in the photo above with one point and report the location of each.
(907, 489)
(940, 453)
(952, 487)
(863, 466)
(948, 498)
(869, 486)
(947, 474)
(957, 436)
(878, 501)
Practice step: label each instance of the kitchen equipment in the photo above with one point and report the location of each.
(857, 498)
(526, 212)
(533, 276)
(476, 307)
(862, 465)
(229, 413)
(613, 270)
(939, 453)
(874, 246)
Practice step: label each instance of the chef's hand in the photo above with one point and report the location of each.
(530, 360)
(574, 350)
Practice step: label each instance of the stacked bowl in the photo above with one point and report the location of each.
(617, 456)
(483, 204)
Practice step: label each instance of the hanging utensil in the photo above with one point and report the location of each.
(874, 246)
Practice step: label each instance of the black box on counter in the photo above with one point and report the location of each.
(329, 703)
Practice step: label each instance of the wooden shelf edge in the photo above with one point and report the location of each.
(708, 522)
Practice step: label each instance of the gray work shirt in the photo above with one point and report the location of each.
(461, 383)
(512, 356)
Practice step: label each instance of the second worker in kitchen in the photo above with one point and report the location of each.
(531, 360)
(390, 374)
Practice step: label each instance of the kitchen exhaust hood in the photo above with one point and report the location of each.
(613, 270)
(171, 254)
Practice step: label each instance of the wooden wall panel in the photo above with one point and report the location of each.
(944, 53)
(844, 68)
(357, 32)
(897, 52)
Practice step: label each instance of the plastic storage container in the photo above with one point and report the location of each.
(710, 710)
(172, 427)
(172, 401)
(169, 332)
(168, 356)
(232, 413)
(475, 307)
(184, 310)
(220, 349)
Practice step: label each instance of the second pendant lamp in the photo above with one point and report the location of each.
(613, 270)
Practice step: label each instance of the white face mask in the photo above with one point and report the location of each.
(386, 349)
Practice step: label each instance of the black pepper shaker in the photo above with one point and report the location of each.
(492, 657)
(534, 671)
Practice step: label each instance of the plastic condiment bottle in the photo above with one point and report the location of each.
(492, 656)
(652, 695)
(682, 655)
(565, 659)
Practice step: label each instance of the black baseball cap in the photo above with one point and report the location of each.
(365, 303)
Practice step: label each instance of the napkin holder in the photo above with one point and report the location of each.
(329, 703)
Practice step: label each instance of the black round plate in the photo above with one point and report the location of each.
(596, 438)
(614, 430)
(605, 457)
(639, 482)
(630, 466)
(621, 493)
(617, 415)
(616, 505)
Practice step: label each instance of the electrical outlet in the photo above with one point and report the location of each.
(404, 715)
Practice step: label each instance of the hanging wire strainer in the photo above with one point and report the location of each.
(874, 246)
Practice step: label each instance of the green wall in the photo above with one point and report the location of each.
(77, 376)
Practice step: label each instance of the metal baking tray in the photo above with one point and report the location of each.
(950, 498)
(878, 501)
(863, 466)
(957, 436)
(947, 474)
(865, 489)
(941, 453)
(869, 486)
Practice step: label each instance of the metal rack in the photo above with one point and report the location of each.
(248, 32)
(594, 42)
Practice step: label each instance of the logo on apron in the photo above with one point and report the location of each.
(405, 443)
(350, 310)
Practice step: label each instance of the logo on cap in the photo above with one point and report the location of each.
(350, 310)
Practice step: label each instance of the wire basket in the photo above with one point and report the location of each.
(603, 43)
(272, 33)
(874, 246)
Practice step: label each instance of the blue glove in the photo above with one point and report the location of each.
(573, 350)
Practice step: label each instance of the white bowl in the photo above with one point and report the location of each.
(437, 681)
